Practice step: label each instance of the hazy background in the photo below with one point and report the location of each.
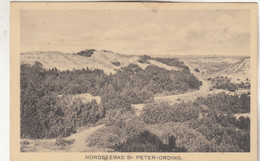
(189, 32)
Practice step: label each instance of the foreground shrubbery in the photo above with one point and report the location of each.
(50, 117)
(148, 142)
(224, 138)
(127, 133)
(207, 124)
(163, 112)
(118, 129)
(198, 126)
(186, 137)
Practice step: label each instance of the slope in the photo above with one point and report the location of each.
(108, 61)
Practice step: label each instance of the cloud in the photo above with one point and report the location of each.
(199, 31)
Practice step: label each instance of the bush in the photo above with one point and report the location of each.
(144, 142)
(223, 102)
(25, 142)
(172, 62)
(226, 84)
(144, 59)
(196, 70)
(63, 142)
(243, 123)
(118, 131)
(116, 63)
(163, 112)
(148, 142)
(86, 53)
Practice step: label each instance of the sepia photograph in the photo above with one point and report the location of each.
(145, 78)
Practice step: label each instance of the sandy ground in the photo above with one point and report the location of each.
(48, 145)
(99, 60)
(237, 115)
(80, 144)
(87, 97)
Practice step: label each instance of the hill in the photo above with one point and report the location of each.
(236, 68)
(239, 71)
(107, 61)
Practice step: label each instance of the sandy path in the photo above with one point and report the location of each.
(203, 91)
(48, 145)
(80, 144)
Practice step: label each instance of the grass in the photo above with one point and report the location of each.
(43, 145)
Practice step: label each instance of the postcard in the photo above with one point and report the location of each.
(133, 81)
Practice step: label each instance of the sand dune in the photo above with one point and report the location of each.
(104, 60)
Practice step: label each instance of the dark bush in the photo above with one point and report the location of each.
(172, 62)
(86, 53)
(144, 59)
(116, 63)
(196, 70)
(148, 142)
(163, 112)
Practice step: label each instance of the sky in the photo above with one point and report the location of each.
(161, 32)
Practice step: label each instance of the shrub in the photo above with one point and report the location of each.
(63, 142)
(116, 63)
(144, 59)
(223, 102)
(46, 115)
(172, 62)
(163, 112)
(146, 141)
(86, 53)
(226, 84)
(243, 123)
(117, 132)
(196, 70)
(25, 142)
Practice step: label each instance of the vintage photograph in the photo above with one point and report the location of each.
(149, 79)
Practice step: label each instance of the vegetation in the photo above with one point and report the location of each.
(225, 103)
(116, 63)
(120, 127)
(172, 62)
(196, 70)
(44, 114)
(226, 84)
(63, 142)
(148, 142)
(144, 59)
(163, 112)
(206, 124)
(86, 53)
